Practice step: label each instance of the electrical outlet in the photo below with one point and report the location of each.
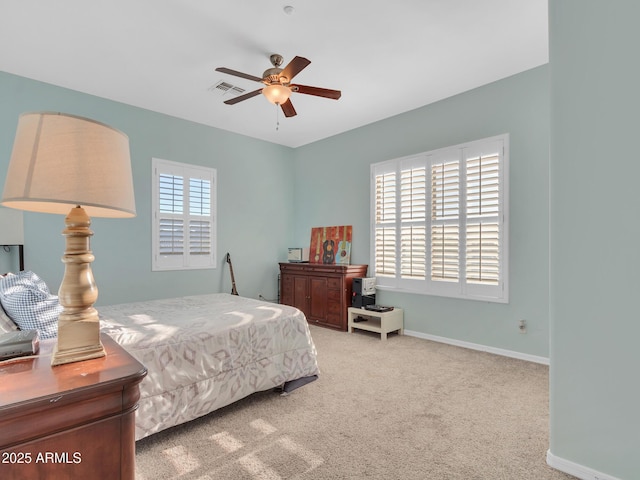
(522, 326)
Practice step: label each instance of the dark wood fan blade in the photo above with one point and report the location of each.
(294, 67)
(240, 98)
(238, 74)
(287, 108)
(317, 91)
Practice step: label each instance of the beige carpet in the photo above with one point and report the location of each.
(405, 409)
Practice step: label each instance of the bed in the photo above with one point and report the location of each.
(202, 352)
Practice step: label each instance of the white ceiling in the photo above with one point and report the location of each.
(387, 57)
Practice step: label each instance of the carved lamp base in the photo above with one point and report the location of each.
(78, 324)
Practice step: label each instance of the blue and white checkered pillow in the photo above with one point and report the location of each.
(27, 300)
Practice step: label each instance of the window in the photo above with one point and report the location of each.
(440, 221)
(184, 226)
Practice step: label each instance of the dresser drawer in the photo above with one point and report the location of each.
(55, 414)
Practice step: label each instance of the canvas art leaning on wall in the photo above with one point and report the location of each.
(330, 245)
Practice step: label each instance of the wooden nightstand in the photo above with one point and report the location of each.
(72, 421)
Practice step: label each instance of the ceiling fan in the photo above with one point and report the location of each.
(278, 84)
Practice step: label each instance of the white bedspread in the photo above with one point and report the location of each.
(204, 352)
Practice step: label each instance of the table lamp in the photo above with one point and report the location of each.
(79, 167)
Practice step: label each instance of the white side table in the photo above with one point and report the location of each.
(379, 322)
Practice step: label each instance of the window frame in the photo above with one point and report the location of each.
(185, 260)
(423, 221)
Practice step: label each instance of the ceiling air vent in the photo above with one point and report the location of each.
(226, 88)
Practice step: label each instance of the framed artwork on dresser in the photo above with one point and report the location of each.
(331, 245)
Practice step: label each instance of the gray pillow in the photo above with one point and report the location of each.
(27, 300)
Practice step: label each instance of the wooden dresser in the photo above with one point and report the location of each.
(322, 292)
(72, 421)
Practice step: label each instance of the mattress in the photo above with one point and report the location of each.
(204, 352)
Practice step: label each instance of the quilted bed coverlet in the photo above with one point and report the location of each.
(204, 352)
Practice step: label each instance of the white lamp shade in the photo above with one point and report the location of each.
(276, 94)
(60, 161)
(11, 227)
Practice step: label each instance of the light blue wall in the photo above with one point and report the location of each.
(332, 188)
(595, 232)
(594, 77)
(271, 196)
(255, 200)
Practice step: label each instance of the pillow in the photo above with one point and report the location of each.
(6, 324)
(27, 300)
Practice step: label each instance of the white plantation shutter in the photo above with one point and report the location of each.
(200, 235)
(413, 241)
(413, 207)
(171, 224)
(171, 236)
(445, 253)
(184, 223)
(445, 220)
(483, 214)
(171, 193)
(385, 262)
(439, 221)
(385, 218)
(483, 253)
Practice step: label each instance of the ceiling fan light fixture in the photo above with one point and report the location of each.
(277, 84)
(276, 94)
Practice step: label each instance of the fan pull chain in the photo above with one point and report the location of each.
(277, 117)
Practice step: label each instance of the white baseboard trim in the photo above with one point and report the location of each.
(482, 348)
(575, 469)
